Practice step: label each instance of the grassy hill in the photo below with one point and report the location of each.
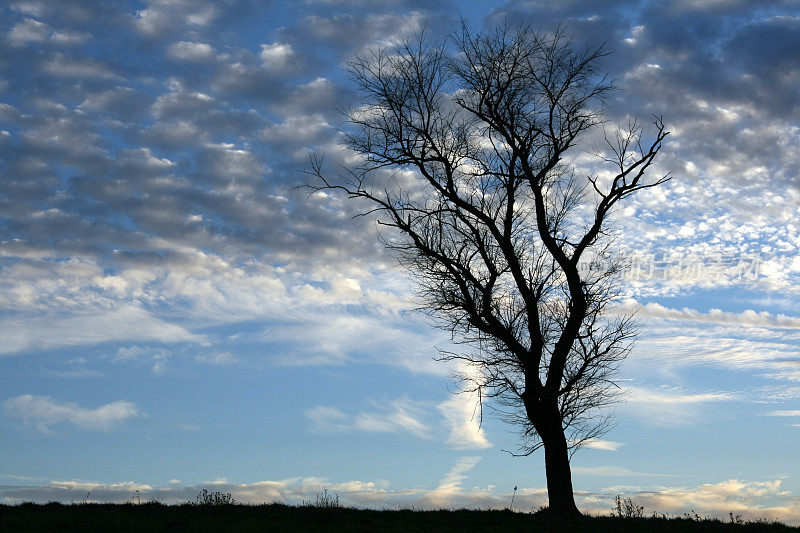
(278, 517)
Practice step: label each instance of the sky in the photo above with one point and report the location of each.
(174, 315)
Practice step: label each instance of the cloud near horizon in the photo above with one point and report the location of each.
(753, 500)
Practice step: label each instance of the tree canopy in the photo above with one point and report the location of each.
(466, 149)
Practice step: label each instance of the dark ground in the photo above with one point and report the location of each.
(277, 517)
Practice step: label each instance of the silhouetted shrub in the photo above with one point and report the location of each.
(214, 498)
(324, 500)
(627, 508)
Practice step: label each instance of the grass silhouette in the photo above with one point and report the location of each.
(217, 515)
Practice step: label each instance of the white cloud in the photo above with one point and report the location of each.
(157, 357)
(27, 31)
(752, 499)
(126, 323)
(747, 318)
(69, 37)
(218, 358)
(397, 416)
(332, 335)
(63, 66)
(165, 16)
(401, 418)
(277, 56)
(450, 485)
(708, 210)
(461, 413)
(43, 412)
(612, 471)
(599, 444)
(325, 418)
(190, 51)
(669, 406)
(451, 482)
(745, 341)
(33, 31)
(463, 416)
(672, 395)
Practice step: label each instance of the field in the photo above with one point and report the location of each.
(278, 517)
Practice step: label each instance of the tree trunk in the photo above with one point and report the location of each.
(559, 474)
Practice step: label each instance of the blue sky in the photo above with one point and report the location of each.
(173, 316)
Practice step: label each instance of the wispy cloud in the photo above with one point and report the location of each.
(747, 318)
(462, 413)
(451, 482)
(669, 406)
(127, 323)
(462, 417)
(599, 444)
(218, 358)
(613, 471)
(450, 485)
(396, 416)
(44, 412)
(783, 413)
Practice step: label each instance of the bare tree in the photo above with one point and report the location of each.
(466, 149)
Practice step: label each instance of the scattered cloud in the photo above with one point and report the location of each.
(161, 18)
(147, 202)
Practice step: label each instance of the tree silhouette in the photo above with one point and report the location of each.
(466, 148)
